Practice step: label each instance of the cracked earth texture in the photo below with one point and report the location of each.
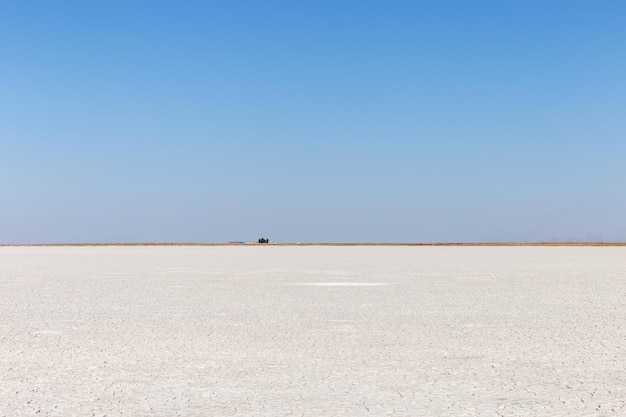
(312, 331)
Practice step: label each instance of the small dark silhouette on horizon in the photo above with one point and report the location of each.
(264, 240)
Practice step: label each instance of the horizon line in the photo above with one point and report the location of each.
(248, 243)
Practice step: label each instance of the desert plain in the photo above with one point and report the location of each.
(312, 331)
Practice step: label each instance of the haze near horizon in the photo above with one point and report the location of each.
(312, 121)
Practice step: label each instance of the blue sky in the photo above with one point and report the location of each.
(312, 121)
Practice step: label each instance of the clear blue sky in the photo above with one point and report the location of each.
(312, 120)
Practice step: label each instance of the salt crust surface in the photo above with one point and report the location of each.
(263, 331)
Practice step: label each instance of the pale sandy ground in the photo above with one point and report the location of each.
(289, 331)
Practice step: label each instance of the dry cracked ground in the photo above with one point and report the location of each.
(312, 331)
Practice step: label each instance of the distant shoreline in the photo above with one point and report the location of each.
(321, 244)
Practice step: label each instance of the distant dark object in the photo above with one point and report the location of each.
(263, 240)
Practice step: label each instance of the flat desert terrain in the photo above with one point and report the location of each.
(312, 331)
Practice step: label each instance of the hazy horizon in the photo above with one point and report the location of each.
(312, 121)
